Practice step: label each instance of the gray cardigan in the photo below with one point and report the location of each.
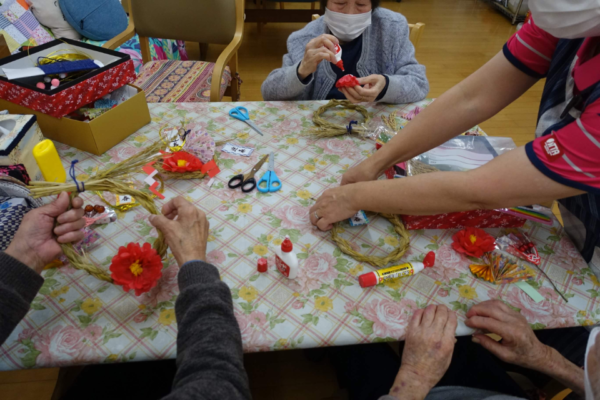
(386, 50)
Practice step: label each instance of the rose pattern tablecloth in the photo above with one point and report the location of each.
(78, 319)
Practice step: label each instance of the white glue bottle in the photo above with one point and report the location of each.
(286, 260)
(338, 57)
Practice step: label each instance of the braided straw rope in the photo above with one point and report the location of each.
(324, 129)
(375, 261)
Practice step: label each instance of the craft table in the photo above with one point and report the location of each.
(77, 319)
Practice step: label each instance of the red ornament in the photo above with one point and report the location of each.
(137, 268)
(347, 81)
(473, 242)
(182, 161)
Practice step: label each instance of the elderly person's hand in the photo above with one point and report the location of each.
(335, 204)
(319, 49)
(372, 86)
(427, 352)
(185, 228)
(37, 241)
(519, 344)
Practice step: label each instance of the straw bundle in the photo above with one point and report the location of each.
(324, 129)
(375, 261)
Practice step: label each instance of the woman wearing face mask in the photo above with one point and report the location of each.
(375, 49)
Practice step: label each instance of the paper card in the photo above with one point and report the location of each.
(124, 199)
(359, 219)
(530, 291)
(237, 150)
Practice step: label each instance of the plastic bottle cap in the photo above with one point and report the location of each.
(368, 279)
(286, 245)
(262, 265)
(429, 260)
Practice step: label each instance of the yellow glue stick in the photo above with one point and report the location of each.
(397, 271)
(49, 162)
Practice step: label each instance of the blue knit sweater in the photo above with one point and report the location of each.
(386, 51)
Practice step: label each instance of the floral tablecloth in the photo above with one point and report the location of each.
(78, 319)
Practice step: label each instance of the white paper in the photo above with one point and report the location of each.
(237, 150)
(464, 159)
(150, 178)
(22, 72)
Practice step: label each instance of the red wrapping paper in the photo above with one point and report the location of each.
(463, 219)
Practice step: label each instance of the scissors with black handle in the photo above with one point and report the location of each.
(247, 181)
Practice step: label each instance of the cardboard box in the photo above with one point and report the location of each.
(118, 70)
(16, 146)
(98, 135)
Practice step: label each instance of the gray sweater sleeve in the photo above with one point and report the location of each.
(209, 344)
(18, 286)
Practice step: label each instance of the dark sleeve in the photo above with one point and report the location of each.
(384, 90)
(209, 344)
(18, 286)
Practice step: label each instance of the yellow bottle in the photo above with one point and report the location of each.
(49, 162)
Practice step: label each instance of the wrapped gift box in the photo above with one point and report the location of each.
(16, 146)
(462, 219)
(12, 212)
(118, 71)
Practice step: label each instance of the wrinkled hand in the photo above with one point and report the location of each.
(519, 344)
(319, 49)
(334, 205)
(372, 86)
(185, 228)
(593, 367)
(363, 172)
(427, 351)
(35, 243)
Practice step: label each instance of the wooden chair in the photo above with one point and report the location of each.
(415, 31)
(202, 21)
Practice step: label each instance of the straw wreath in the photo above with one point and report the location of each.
(324, 128)
(375, 261)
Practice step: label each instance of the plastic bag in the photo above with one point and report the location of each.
(519, 245)
(377, 131)
(461, 153)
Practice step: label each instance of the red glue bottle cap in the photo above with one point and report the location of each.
(262, 265)
(286, 245)
(368, 279)
(429, 260)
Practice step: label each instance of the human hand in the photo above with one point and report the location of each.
(334, 205)
(319, 49)
(185, 228)
(372, 87)
(519, 344)
(363, 172)
(427, 351)
(35, 243)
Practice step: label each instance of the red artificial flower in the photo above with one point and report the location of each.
(473, 242)
(137, 268)
(182, 161)
(347, 81)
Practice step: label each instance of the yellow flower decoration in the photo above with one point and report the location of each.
(323, 303)
(269, 238)
(467, 292)
(309, 167)
(356, 270)
(391, 240)
(211, 238)
(595, 280)
(304, 194)
(587, 322)
(260, 249)
(83, 177)
(142, 306)
(581, 313)
(277, 242)
(245, 208)
(323, 162)
(61, 300)
(394, 283)
(166, 316)
(243, 135)
(248, 293)
(55, 293)
(90, 306)
(64, 289)
(282, 342)
(291, 140)
(296, 294)
(140, 139)
(112, 358)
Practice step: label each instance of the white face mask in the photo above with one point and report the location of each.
(347, 27)
(567, 19)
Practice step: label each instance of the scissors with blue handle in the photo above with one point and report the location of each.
(270, 179)
(246, 181)
(241, 114)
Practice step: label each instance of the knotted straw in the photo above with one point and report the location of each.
(375, 261)
(324, 128)
(114, 180)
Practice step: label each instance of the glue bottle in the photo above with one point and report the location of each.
(286, 260)
(397, 271)
(338, 57)
(48, 160)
